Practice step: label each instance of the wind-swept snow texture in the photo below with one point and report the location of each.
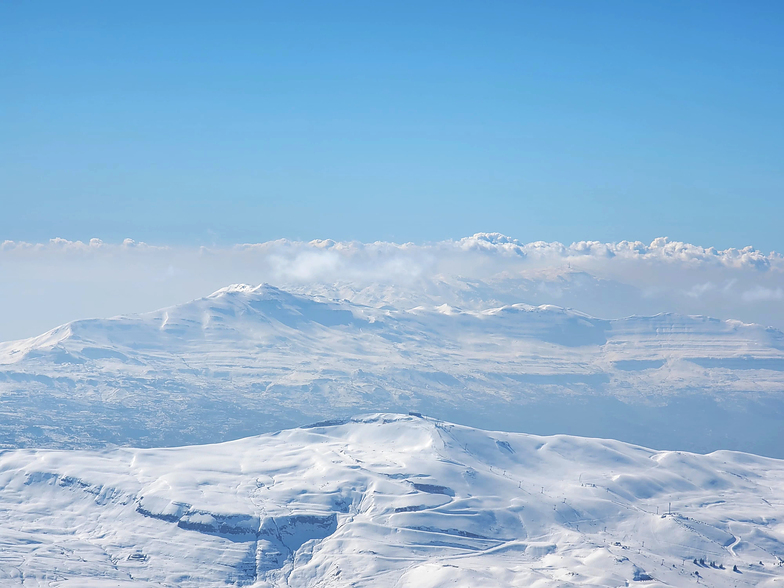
(390, 500)
(249, 360)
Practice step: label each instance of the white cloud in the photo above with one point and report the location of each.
(493, 244)
(661, 249)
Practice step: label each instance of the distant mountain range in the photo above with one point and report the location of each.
(246, 360)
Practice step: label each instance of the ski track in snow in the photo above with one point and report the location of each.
(391, 500)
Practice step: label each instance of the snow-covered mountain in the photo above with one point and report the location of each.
(391, 500)
(247, 360)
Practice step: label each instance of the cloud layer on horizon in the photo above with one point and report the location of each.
(64, 280)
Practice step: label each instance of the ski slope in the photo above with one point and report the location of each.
(253, 359)
(391, 500)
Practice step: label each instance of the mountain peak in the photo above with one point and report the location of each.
(259, 290)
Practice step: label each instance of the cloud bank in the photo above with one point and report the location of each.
(51, 283)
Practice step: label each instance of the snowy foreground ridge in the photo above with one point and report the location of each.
(247, 360)
(391, 500)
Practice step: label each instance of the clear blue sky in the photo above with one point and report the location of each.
(201, 122)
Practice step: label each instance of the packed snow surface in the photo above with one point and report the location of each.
(391, 500)
(247, 360)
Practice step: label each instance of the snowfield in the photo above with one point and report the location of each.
(391, 500)
(249, 360)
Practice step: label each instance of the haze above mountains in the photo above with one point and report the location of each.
(60, 281)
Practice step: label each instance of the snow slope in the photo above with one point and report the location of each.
(247, 360)
(391, 500)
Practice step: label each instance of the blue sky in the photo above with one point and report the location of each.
(199, 123)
